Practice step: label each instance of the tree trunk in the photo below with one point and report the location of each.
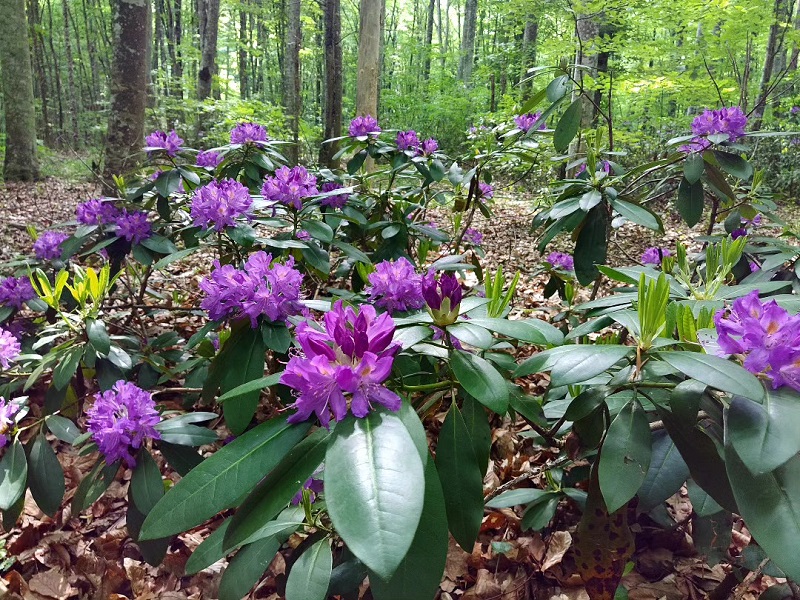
(291, 80)
(17, 83)
(208, 13)
(369, 43)
(467, 59)
(426, 68)
(332, 121)
(128, 85)
(56, 69)
(74, 110)
(774, 44)
(41, 78)
(588, 29)
(244, 79)
(529, 38)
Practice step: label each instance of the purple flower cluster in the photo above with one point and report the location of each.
(96, 212)
(158, 140)
(244, 133)
(443, 297)
(730, 121)
(429, 146)
(290, 186)
(16, 291)
(766, 334)
(346, 364)
(529, 121)
(407, 140)
(9, 348)
(133, 226)
(219, 204)
(395, 286)
(334, 200)
(561, 260)
(485, 191)
(653, 256)
(263, 287)
(363, 126)
(8, 410)
(314, 487)
(303, 235)
(48, 245)
(747, 225)
(121, 419)
(208, 159)
(795, 110)
(473, 237)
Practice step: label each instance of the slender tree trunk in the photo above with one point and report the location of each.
(128, 85)
(529, 38)
(291, 81)
(440, 34)
(588, 29)
(74, 109)
(332, 121)
(209, 30)
(467, 59)
(243, 44)
(17, 83)
(774, 45)
(40, 81)
(56, 68)
(795, 47)
(428, 47)
(369, 42)
(91, 49)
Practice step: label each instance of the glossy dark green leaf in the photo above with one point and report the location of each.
(557, 88)
(590, 199)
(276, 490)
(534, 331)
(462, 482)
(45, 476)
(250, 387)
(209, 551)
(575, 363)
(667, 472)
(355, 163)
(733, 164)
(13, 474)
(317, 258)
(62, 428)
(540, 513)
(591, 246)
(241, 361)
(416, 429)
(373, 503)
(702, 503)
(586, 402)
(147, 487)
(311, 573)
(160, 244)
(568, 126)
(189, 435)
(477, 422)
(220, 480)
(690, 201)
(276, 336)
(716, 372)
(246, 568)
(67, 366)
(98, 336)
(94, 484)
(481, 380)
(153, 551)
(512, 498)
(625, 456)
(181, 458)
(693, 166)
(638, 214)
(419, 574)
(764, 434)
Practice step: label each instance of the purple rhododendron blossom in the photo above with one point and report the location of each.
(121, 419)
(219, 203)
(290, 186)
(208, 159)
(429, 146)
(443, 297)
(407, 140)
(48, 245)
(334, 200)
(561, 260)
(133, 226)
(314, 487)
(9, 348)
(303, 235)
(472, 236)
(766, 334)
(485, 191)
(730, 121)
(343, 366)
(244, 133)
(16, 291)
(8, 410)
(363, 126)
(653, 256)
(395, 286)
(438, 334)
(170, 142)
(262, 288)
(529, 121)
(96, 212)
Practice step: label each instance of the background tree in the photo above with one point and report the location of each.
(291, 81)
(369, 36)
(332, 117)
(208, 18)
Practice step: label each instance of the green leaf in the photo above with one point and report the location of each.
(590, 199)
(220, 480)
(189, 435)
(557, 88)
(374, 505)
(461, 479)
(480, 432)
(591, 246)
(716, 372)
(625, 456)
(247, 567)
(98, 336)
(160, 244)
(512, 498)
(147, 487)
(667, 473)
(568, 126)
(62, 428)
(638, 214)
(540, 513)
(733, 164)
(586, 402)
(311, 573)
(690, 201)
(13, 474)
(354, 164)
(481, 380)
(693, 166)
(319, 230)
(153, 551)
(533, 331)
(66, 367)
(181, 458)
(317, 258)
(276, 336)
(277, 489)
(209, 551)
(171, 258)
(94, 484)
(764, 435)
(241, 360)
(420, 572)
(250, 387)
(46, 477)
(770, 506)
(574, 363)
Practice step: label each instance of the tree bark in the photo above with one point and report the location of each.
(774, 45)
(467, 59)
(332, 119)
(426, 68)
(128, 85)
(17, 83)
(74, 110)
(208, 13)
(369, 42)
(40, 82)
(244, 79)
(291, 81)
(529, 39)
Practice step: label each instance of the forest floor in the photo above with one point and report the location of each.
(90, 556)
